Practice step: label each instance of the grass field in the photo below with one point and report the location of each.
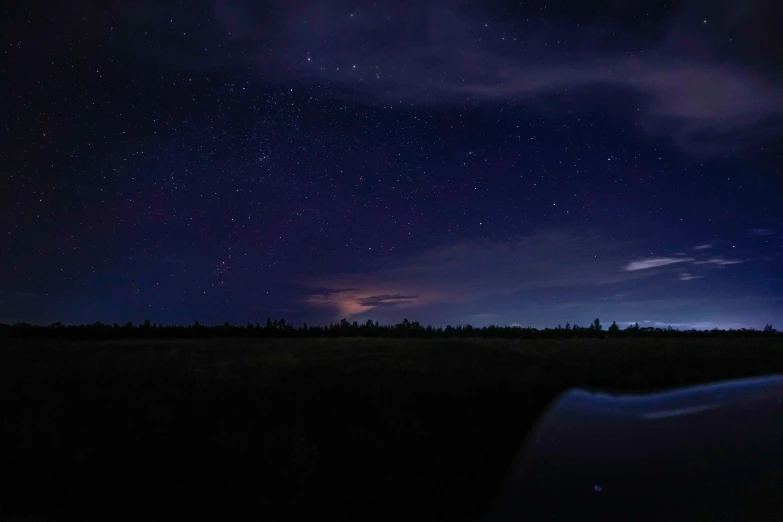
(288, 429)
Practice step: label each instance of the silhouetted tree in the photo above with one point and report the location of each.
(280, 328)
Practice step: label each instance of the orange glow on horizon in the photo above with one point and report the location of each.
(351, 303)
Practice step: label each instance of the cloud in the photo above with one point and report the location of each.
(448, 52)
(469, 271)
(720, 261)
(761, 232)
(615, 296)
(705, 246)
(687, 83)
(483, 273)
(387, 300)
(654, 262)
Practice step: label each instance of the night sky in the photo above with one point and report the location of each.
(491, 162)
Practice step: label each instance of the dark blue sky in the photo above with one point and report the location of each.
(449, 162)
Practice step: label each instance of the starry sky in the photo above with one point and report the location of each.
(451, 162)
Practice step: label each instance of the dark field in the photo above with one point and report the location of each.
(289, 429)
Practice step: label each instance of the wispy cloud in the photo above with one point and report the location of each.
(387, 300)
(615, 296)
(761, 232)
(450, 52)
(720, 261)
(473, 271)
(654, 262)
(439, 54)
(469, 271)
(705, 246)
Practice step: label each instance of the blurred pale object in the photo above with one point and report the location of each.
(712, 452)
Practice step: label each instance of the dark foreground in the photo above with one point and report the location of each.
(292, 429)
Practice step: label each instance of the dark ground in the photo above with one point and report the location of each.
(288, 429)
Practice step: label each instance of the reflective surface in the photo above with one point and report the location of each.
(710, 452)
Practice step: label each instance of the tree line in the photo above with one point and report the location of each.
(279, 328)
